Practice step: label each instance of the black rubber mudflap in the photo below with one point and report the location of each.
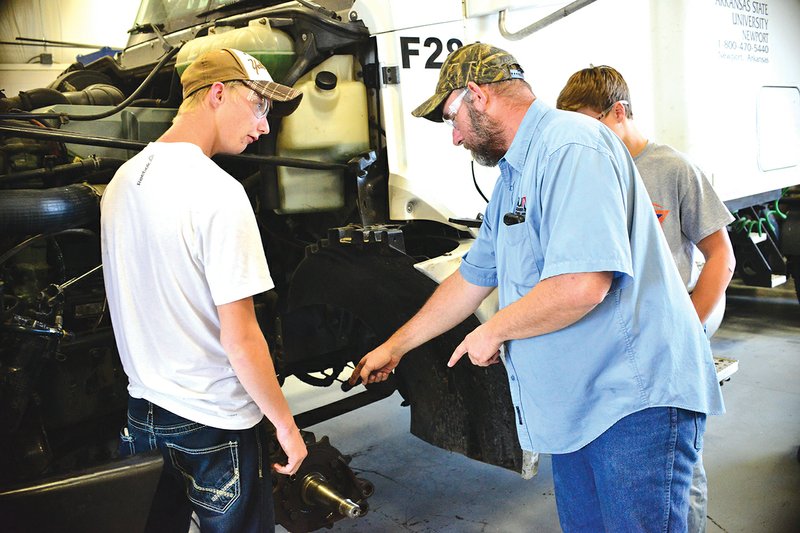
(466, 409)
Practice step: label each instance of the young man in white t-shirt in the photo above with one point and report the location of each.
(688, 210)
(182, 259)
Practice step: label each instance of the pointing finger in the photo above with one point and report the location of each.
(457, 355)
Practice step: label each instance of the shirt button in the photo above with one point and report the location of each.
(513, 378)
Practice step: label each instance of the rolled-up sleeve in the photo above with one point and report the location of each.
(479, 266)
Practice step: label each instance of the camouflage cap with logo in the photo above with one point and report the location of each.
(228, 64)
(477, 62)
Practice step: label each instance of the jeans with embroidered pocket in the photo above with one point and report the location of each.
(216, 473)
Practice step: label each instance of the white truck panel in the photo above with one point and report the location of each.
(717, 79)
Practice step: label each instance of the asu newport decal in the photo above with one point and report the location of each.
(439, 50)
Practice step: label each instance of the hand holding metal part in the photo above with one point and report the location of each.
(374, 367)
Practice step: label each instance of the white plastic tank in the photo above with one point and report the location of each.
(330, 124)
(272, 47)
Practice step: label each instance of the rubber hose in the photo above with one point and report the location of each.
(97, 94)
(32, 211)
(89, 165)
(33, 99)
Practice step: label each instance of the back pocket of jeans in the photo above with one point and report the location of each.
(211, 474)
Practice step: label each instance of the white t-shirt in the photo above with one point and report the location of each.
(179, 238)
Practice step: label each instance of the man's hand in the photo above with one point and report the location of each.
(375, 366)
(482, 348)
(293, 446)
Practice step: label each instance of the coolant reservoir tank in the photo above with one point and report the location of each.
(330, 124)
(272, 47)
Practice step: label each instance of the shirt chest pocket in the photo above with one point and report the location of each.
(518, 255)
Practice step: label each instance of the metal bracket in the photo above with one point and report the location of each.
(390, 75)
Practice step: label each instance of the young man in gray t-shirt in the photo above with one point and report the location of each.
(691, 215)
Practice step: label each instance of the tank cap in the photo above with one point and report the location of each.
(326, 80)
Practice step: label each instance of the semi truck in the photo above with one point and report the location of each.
(362, 210)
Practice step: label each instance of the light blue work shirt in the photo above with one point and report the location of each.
(587, 210)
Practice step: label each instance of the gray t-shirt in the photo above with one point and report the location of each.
(686, 205)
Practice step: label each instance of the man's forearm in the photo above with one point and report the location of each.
(248, 353)
(253, 366)
(710, 287)
(551, 305)
(716, 273)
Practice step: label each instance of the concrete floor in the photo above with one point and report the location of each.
(750, 453)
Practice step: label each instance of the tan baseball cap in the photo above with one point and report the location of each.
(477, 62)
(228, 64)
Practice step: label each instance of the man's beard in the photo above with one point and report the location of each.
(489, 134)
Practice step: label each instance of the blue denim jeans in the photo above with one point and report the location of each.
(216, 473)
(634, 477)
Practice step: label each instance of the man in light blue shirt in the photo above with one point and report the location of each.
(689, 213)
(609, 370)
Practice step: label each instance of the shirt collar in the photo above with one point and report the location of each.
(518, 151)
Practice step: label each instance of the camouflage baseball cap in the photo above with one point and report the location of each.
(477, 62)
(227, 64)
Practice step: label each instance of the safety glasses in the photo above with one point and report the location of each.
(452, 110)
(607, 110)
(260, 104)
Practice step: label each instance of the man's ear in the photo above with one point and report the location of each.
(479, 98)
(620, 113)
(216, 93)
